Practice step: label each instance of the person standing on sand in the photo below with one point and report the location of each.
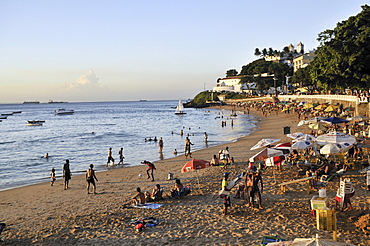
(66, 174)
(121, 157)
(110, 158)
(52, 176)
(160, 144)
(151, 169)
(90, 179)
(257, 188)
(187, 147)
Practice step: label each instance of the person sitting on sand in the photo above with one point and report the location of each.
(90, 179)
(156, 195)
(177, 188)
(139, 198)
(215, 161)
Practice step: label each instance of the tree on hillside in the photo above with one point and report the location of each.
(264, 52)
(231, 73)
(257, 52)
(302, 77)
(343, 56)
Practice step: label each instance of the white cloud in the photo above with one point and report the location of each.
(86, 81)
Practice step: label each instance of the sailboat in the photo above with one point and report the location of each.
(180, 108)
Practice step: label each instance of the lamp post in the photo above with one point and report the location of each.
(275, 86)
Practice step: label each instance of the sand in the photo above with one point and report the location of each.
(45, 215)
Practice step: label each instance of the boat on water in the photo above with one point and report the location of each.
(35, 122)
(31, 102)
(63, 111)
(180, 108)
(51, 101)
(17, 112)
(6, 114)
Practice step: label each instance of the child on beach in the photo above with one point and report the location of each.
(52, 176)
(227, 203)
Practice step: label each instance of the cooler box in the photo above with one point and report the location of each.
(319, 202)
(266, 240)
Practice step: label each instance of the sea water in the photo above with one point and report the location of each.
(85, 137)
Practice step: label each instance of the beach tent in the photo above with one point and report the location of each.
(316, 241)
(266, 153)
(264, 142)
(285, 147)
(336, 137)
(195, 164)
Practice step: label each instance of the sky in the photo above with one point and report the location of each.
(120, 50)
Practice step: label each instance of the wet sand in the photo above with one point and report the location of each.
(45, 215)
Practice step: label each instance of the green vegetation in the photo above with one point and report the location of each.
(343, 57)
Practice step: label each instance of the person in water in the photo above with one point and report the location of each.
(110, 157)
(90, 179)
(121, 157)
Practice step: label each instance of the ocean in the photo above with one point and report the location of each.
(85, 137)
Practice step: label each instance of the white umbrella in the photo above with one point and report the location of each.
(316, 119)
(301, 145)
(296, 135)
(306, 137)
(336, 137)
(330, 149)
(302, 122)
(358, 118)
(264, 142)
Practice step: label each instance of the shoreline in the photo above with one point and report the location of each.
(43, 215)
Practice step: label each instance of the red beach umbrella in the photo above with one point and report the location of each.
(195, 164)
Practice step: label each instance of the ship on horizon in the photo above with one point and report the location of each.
(31, 102)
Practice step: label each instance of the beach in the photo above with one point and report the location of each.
(48, 215)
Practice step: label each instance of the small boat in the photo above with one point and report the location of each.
(180, 108)
(35, 122)
(7, 114)
(3, 117)
(31, 102)
(63, 111)
(17, 112)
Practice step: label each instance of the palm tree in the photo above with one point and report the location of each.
(257, 52)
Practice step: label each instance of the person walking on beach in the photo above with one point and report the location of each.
(90, 179)
(52, 176)
(110, 158)
(121, 157)
(150, 169)
(257, 189)
(66, 174)
(187, 147)
(160, 144)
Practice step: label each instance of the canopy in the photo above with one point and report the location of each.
(336, 137)
(264, 142)
(330, 108)
(334, 120)
(266, 153)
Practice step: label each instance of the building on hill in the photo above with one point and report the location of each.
(288, 57)
(303, 60)
(231, 84)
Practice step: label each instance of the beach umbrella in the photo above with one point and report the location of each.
(306, 137)
(334, 120)
(285, 147)
(330, 149)
(349, 109)
(336, 137)
(316, 241)
(266, 153)
(195, 164)
(330, 108)
(363, 123)
(302, 122)
(317, 126)
(320, 107)
(301, 145)
(316, 119)
(264, 142)
(358, 118)
(296, 135)
(308, 105)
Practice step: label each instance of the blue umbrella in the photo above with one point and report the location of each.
(334, 120)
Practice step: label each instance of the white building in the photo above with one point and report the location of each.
(231, 84)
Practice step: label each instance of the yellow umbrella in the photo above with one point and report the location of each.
(321, 106)
(330, 108)
(317, 126)
(308, 105)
